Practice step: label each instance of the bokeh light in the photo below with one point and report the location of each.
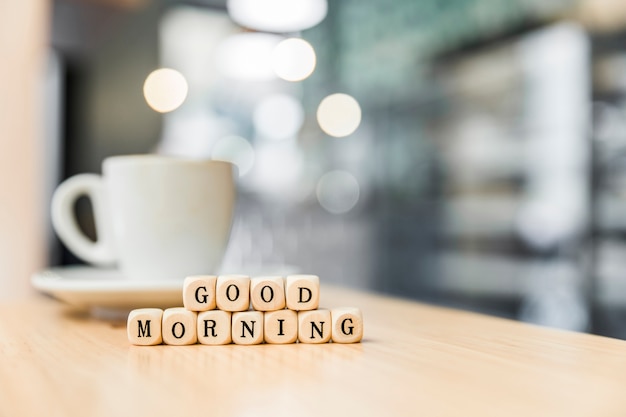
(338, 191)
(247, 56)
(278, 117)
(277, 16)
(293, 59)
(339, 115)
(237, 150)
(165, 90)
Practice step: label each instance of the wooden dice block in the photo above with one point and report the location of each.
(247, 328)
(214, 327)
(144, 326)
(280, 326)
(302, 292)
(179, 326)
(233, 292)
(199, 292)
(314, 326)
(347, 325)
(267, 293)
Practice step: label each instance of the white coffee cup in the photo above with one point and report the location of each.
(156, 217)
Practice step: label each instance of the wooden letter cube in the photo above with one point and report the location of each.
(267, 293)
(281, 326)
(314, 326)
(248, 327)
(144, 326)
(303, 292)
(214, 327)
(179, 326)
(347, 325)
(199, 292)
(233, 292)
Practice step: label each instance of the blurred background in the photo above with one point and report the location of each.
(466, 153)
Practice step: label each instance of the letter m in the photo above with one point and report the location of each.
(143, 331)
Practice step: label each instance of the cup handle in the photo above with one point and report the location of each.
(64, 221)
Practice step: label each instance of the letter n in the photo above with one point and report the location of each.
(319, 330)
(250, 329)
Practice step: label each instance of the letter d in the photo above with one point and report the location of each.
(301, 294)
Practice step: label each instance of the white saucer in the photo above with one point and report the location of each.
(85, 286)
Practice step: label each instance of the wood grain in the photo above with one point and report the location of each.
(347, 324)
(199, 292)
(232, 292)
(267, 293)
(179, 326)
(302, 292)
(314, 326)
(214, 327)
(280, 326)
(414, 360)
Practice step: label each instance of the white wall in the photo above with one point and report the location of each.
(23, 31)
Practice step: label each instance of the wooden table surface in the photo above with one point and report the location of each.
(415, 360)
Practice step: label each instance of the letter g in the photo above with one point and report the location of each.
(350, 328)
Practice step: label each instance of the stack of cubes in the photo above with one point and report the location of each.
(217, 312)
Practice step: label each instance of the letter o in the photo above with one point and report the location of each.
(182, 330)
(236, 292)
(271, 293)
